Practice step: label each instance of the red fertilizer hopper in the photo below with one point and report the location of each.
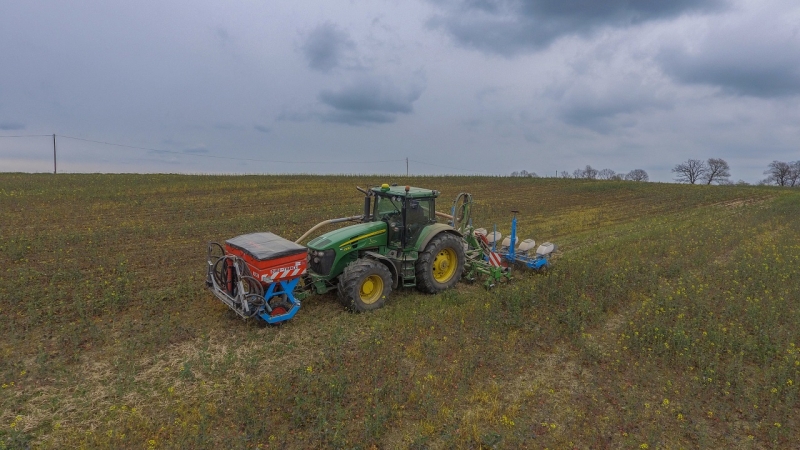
(255, 275)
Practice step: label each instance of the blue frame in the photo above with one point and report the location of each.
(274, 290)
(537, 262)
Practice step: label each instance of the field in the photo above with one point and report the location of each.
(669, 320)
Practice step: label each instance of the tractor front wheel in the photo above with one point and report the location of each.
(364, 285)
(441, 264)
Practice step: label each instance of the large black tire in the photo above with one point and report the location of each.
(364, 285)
(435, 271)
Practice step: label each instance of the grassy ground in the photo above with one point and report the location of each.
(669, 320)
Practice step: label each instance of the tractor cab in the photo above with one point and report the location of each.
(406, 211)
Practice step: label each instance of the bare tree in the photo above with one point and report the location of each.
(577, 173)
(606, 174)
(565, 174)
(590, 173)
(779, 173)
(637, 175)
(794, 175)
(717, 170)
(618, 177)
(690, 171)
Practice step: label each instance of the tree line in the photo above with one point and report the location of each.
(717, 170)
(590, 173)
(692, 171)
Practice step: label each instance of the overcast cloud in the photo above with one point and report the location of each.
(509, 27)
(325, 46)
(469, 86)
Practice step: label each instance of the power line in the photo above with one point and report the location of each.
(447, 167)
(149, 149)
(227, 157)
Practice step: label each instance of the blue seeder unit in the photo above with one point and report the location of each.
(538, 261)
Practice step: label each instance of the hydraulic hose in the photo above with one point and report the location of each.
(443, 215)
(326, 222)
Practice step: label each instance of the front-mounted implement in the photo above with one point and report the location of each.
(398, 242)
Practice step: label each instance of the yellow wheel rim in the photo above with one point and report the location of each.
(444, 265)
(371, 289)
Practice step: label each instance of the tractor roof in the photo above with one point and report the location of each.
(413, 192)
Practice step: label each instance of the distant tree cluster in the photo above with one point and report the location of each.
(783, 173)
(637, 175)
(717, 170)
(693, 171)
(590, 173)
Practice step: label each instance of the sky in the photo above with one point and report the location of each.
(360, 87)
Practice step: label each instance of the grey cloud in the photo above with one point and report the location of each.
(223, 35)
(357, 118)
(603, 119)
(262, 128)
(225, 126)
(325, 46)
(196, 151)
(605, 109)
(509, 27)
(370, 100)
(10, 126)
(752, 69)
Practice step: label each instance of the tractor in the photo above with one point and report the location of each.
(396, 243)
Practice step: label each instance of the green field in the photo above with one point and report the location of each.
(669, 320)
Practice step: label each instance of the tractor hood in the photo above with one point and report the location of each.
(370, 234)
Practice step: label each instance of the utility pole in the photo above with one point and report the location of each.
(406, 166)
(55, 168)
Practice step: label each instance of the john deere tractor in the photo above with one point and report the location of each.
(398, 244)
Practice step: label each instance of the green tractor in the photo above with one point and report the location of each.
(398, 243)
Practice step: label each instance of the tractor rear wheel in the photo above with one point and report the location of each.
(441, 264)
(364, 285)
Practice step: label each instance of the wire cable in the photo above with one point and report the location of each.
(447, 167)
(175, 152)
(227, 157)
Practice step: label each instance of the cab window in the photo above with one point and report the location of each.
(387, 206)
(419, 212)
